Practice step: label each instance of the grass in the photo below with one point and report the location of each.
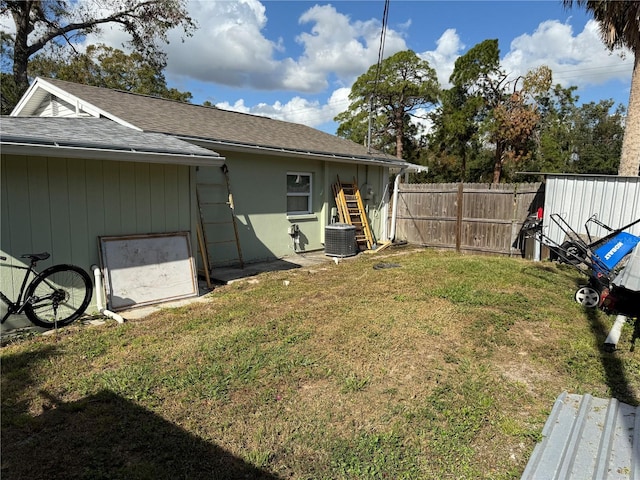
(445, 367)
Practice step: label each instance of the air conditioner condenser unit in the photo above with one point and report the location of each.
(340, 240)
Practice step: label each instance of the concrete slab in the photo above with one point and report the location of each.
(228, 275)
(219, 276)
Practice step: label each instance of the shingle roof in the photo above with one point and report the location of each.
(153, 114)
(96, 134)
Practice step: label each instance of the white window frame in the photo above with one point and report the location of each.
(309, 194)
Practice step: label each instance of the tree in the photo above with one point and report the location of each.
(578, 139)
(454, 138)
(107, 67)
(620, 26)
(484, 108)
(393, 90)
(9, 93)
(515, 119)
(42, 23)
(597, 138)
(556, 140)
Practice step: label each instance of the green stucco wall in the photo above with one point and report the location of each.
(258, 185)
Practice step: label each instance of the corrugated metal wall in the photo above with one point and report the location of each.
(616, 201)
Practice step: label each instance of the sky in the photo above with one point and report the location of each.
(295, 60)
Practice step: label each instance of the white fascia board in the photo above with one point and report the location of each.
(281, 152)
(24, 101)
(113, 155)
(80, 104)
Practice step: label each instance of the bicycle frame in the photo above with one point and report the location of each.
(17, 307)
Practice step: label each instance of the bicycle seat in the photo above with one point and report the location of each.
(36, 256)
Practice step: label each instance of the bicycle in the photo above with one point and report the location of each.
(54, 298)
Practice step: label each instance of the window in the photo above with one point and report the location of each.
(298, 193)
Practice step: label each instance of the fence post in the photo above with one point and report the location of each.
(459, 216)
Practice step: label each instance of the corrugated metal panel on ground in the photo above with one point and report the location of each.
(629, 277)
(587, 438)
(616, 201)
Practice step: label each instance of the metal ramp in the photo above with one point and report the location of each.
(351, 211)
(588, 438)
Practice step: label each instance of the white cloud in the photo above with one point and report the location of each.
(448, 48)
(580, 60)
(234, 51)
(233, 46)
(337, 45)
(230, 48)
(298, 109)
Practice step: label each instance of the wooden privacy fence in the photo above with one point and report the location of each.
(468, 217)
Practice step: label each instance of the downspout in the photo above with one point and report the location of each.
(100, 303)
(394, 211)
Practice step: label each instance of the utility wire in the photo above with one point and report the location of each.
(383, 34)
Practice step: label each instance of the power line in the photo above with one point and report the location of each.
(383, 34)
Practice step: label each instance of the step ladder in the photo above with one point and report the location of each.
(351, 211)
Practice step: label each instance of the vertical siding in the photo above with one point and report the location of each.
(157, 198)
(55, 107)
(78, 217)
(63, 205)
(103, 187)
(616, 201)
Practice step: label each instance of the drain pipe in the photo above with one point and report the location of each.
(100, 303)
(394, 211)
(614, 334)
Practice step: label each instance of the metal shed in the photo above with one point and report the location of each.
(614, 199)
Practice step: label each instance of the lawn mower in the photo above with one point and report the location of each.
(613, 271)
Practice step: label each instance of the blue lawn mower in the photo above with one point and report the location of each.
(613, 267)
(611, 263)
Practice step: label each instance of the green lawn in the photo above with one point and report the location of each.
(443, 367)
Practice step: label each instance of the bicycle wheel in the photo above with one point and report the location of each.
(58, 296)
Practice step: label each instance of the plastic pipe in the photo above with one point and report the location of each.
(394, 211)
(614, 334)
(100, 303)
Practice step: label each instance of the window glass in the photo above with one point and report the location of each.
(298, 193)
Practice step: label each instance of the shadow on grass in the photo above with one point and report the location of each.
(106, 436)
(102, 436)
(613, 365)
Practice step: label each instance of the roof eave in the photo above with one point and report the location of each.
(16, 148)
(331, 157)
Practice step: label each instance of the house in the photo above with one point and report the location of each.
(82, 162)
(277, 174)
(68, 181)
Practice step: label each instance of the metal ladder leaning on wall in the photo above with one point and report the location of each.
(351, 211)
